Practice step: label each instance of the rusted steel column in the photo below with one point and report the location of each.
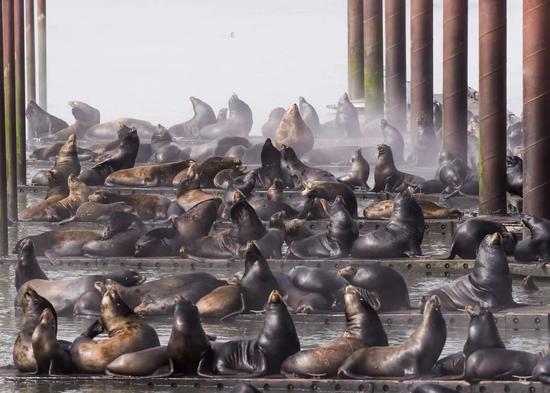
(29, 50)
(396, 64)
(373, 23)
(20, 104)
(492, 107)
(9, 106)
(3, 180)
(455, 77)
(421, 62)
(355, 49)
(42, 61)
(536, 107)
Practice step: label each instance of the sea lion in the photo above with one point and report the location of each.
(147, 206)
(431, 210)
(432, 186)
(216, 147)
(123, 157)
(197, 221)
(499, 363)
(489, 285)
(108, 131)
(272, 203)
(42, 123)
(312, 279)
(105, 151)
(203, 115)
(471, 232)
(32, 306)
(414, 357)
(296, 229)
(328, 191)
(400, 237)
(426, 148)
(127, 333)
(67, 207)
(302, 301)
(158, 175)
(85, 115)
(164, 149)
(535, 248)
(244, 388)
(225, 177)
(363, 328)
(271, 242)
(66, 163)
(58, 190)
(386, 290)
(27, 267)
(60, 242)
(359, 173)
(541, 372)
(293, 132)
(208, 169)
(51, 356)
(238, 123)
(223, 302)
(309, 114)
(387, 177)
(260, 356)
(245, 219)
(335, 242)
(158, 242)
(514, 175)
(433, 388)
(297, 172)
(188, 191)
(270, 170)
(393, 139)
(150, 362)
(347, 119)
(269, 129)
(96, 212)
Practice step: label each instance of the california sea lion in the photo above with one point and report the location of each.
(489, 285)
(66, 163)
(61, 242)
(385, 288)
(329, 191)
(384, 209)
(222, 302)
(335, 242)
(158, 242)
(536, 247)
(42, 123)
(95, 212)
(158, 175)
(203, 115)
(127, 333)
(271, 242)
(58, 189)
(208, 169)
(514, 175)
(164, 149)
(150, 362)
(107, 131)
(267, 207)
(387, 177)
(541, 372)
(244, 388)
(260, 356)
(27, 267)
(297, 172)
(293, 132)
(426, 147)
(105, 151)
(363, 329)
(347, 119)
(433, 388)
(146, 206)
(270, 170)
(309, 114)
(400, 237)
(188, 191)
(226, 176)
(85, 115)
(499, 363)
(414, 357)
(312, 279)
(216, 147)
(269, 129)
(359, 173)
(32, 306)
(302, 301)
(67, 207)
(394, 139)
(238, 123)
(196, 222)
(123, 157)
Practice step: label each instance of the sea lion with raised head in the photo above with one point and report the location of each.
(269, 129)
(157, 175)
(535, 248)
(293, 132)
(66, 163)
(387, 177)
(27, 267)
(393, 139)
(163, 147)
(147, 206)
(295, 173)
(238, 122)
(347, 118)
(203, 115)
(42, 123)
(67, 207)
(309, 114)
(58, 189)
(359, 173)
(329, 191)
(85, 115)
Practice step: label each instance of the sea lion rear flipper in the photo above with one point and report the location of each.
(53, 257)
(66, 221)
(237, 312)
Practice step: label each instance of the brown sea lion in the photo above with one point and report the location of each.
(197, 221)
(223, 301)
(188, 191)
(66, 207)
(60, 242)
(384, 209)
(359, 173)
(328, 191)
(209, 168)
(294, 132)
(387, 177)
(147, 206)
(58, 189)
(95, 211)
(66, 163)
(158, 175)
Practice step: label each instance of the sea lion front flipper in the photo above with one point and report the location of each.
(205, 367)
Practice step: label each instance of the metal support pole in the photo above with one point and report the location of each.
(396, 64)
(373, 58)
(20, 105)
(455, 77)
(421, 62)
(536, 107)
(9, 105)
(492, 107)
(355, 49)
(42, 61)
(3, 180)
(29, 50)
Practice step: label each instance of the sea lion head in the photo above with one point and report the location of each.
(277, 220)
(288, 154)
(186, 315)
(84, 112)
(113, 307)
(33, 304)
(344, 100)
(238, 197)
(274, 298)
(406, 208)
(251, 256)
(482, 330)
(385, 153)
(348, 272)
(69, 147)
(25, 251)
(48, 322)
(432, 305)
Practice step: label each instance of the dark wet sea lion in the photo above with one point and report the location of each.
(244, 388)
(196, 222)
(471, 232)
(514, 175)
(269, 129)
(312, 279)
(489, 285)
(541, 372)
(32, 306)
(394, 139)
(27, 267)
(271, 242)
(146, 206)
(150, 362)
(52, 357)
(386, 289)
(209, 168)
(61, 242)
(294, 132)
(499, 363)
(66, 163)
(226, 176)
(238, 123)
(431, 210)
(309, 114)
(400, 237)
(535, 248)
(164, 149)
(270, 170)
(188, 191)
(203, 115)
(67, 207)
(329, 191)
(433, 186)
(296, 173)
(359, 173)
(387, 177)
(158, 242)
(223, 301)
(42, 123)
(414, 357)
(296, 229)
(267, 207)
(303, 301)
(258, 280)
(158, 175)
(85, 115)
(127, 333)
(108, 131)
(336, 242)
(260, 356)
(433, 388)
(245, 219)
(123, 157)
(95, 211)
(58, 189)
(363, 328)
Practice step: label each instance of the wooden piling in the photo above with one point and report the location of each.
(29, 51)
(3, 180)
(355, 49)
(373, 58)
(20, 104)
(42, 54)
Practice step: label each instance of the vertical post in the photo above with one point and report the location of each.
(492, 107)
(373, 58)
(9, 105)
(19, 57)
(396, 64)
(29, 50)
(536, 107)
(355, 49)
(455, 78)
(3, 180)
(421, 62)
(42, 60)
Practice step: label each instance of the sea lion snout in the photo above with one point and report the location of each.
(347, 272)
(275, 297)
(495, 239)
